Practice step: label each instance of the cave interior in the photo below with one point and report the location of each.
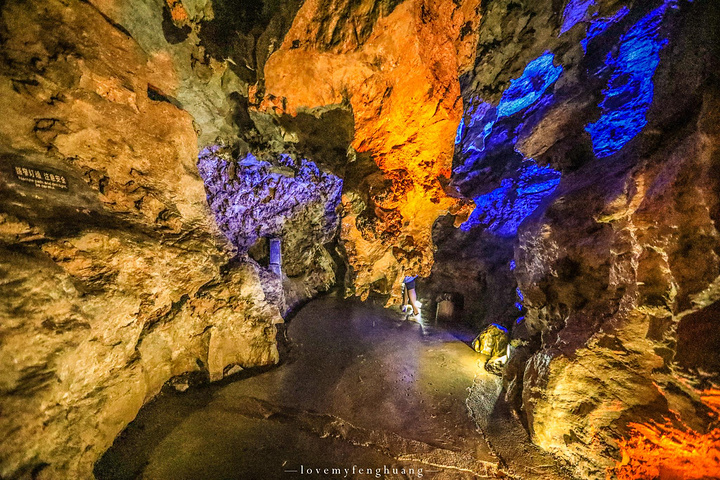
(213, 214)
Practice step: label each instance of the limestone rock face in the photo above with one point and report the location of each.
(291, 200)
(617, 265)
(610, 307)
(149, 149)
(115, 277)
(100, 322)
(396, 64)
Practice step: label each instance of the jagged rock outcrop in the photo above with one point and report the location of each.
(609, 307)
(99, 322)
(396, 64)
(284, 198)
(623, 248)
(115, 276)
(588, 134)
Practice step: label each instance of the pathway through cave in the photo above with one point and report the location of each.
(360, 388)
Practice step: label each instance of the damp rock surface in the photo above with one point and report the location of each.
(550, 165)
(115, 277)
(361, 387)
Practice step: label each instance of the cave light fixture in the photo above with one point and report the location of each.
(499, 327)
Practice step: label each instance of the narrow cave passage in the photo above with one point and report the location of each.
(361, 387)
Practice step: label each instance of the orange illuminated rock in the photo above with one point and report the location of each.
(400, 76)
(177, 11)
(664, 451)
(711, 398)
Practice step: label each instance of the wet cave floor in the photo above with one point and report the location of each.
(362, 389)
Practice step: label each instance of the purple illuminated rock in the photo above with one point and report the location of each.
(277, 197)
(254, 198)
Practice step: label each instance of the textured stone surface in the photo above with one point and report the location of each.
(612, 262)
(100, 321)
(122, 281)
(397, 66)
(588, 136)
(280, 197)
(608, 308)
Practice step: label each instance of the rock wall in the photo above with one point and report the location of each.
(396, 65)
(617, 255)
(585, 135)
(115, 276)
(109, 104)
(608, 308)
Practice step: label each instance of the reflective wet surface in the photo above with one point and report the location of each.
(364, 393)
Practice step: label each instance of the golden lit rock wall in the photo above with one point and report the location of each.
(122, 282)
(622, 259)
(400, 77)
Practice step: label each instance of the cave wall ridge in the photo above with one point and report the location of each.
(116, 278)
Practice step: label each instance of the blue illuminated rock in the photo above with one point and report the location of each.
(575, 12)
(610, 262)
(599, 25)
(503, 210)
(629, 92)
(532, 84)
(523, 188)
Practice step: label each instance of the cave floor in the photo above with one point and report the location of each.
(360, 387)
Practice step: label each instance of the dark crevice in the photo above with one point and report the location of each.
(112, 22)
(156, 95)
(173, 33)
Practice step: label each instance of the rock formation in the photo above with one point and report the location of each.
(115, 277)
(623, 248)
(396, 64)
(609, 308)
(551, 163)
(291, 200)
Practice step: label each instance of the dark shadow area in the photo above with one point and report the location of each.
(245, 31)
(131, 450)
(473, 269)
(698, 341)
(323, 138)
